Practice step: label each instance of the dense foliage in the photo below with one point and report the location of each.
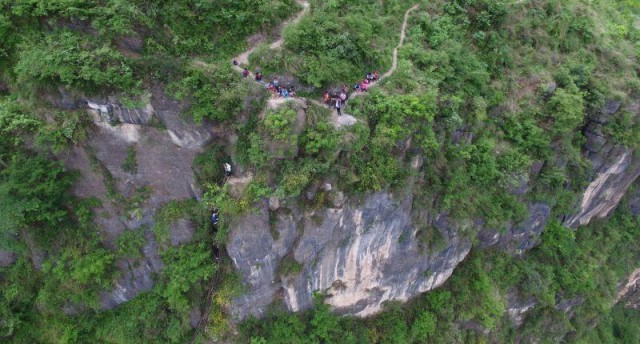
(487, 111)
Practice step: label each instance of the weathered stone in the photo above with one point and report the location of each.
(311, 191)
(611, 107)
(567, 305)
(195, 315)
(274, 203)
(337, 199)
(182, 232)
(613, 175)
(7, 258)
(594, 142)
(326, 187)
(517, 308)
(354, 254)
(536, 167)
(522, 237)
(137, 276)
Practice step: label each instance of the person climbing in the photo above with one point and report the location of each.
(343, 96)
(284, 93)
(259, 77)
(292, 91)
(227, 169)
(214, 217)
(357, 88)
(235, 62)
(376, 75)
(339, 105)
(345, 88)
(326, 98)
(245, 73)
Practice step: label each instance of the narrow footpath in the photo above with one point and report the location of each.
(338, 121)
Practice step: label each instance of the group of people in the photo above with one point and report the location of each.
(277, 90)
(273, 86)
(339, 99)
(363, 86)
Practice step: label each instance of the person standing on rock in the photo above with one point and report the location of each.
(339, 105)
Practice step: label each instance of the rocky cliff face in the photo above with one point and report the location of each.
(165, 145)
(360, 254)
(629, 294)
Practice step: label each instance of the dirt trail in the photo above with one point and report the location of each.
(338, 121)
(243, 59)
(394, 59)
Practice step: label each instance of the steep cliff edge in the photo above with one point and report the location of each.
(361, 253)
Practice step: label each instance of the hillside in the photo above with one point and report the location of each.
(483, 188)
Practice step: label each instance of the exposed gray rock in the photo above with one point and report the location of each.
(536, 167)
(517, 309)
(326, 187)
(337, 199)
(611, 107)
(567, 305)
(182, 232)
(634, 203)
(629, 292)
(65, 100)
(195, 315)
(522, 237)
(311, 191)
(615, 169)
(137, 276)
(114, 113)
(354, 254)
(594, 142)
(274, 203)
(7, 258)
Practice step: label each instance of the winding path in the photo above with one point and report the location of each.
(338, 121)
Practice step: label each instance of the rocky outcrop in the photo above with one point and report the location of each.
(615, 170)
(518, 308)
(7, 258)
(164, 145)
(629, 293)
(115, 113)
(137, 276)
(359, 255)
(521, 238)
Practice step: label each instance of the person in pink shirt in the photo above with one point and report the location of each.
(363, 85)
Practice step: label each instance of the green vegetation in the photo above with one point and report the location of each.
(484, 91)
(130, 164)
(130, 243)
(289, 266)
(583, 267)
